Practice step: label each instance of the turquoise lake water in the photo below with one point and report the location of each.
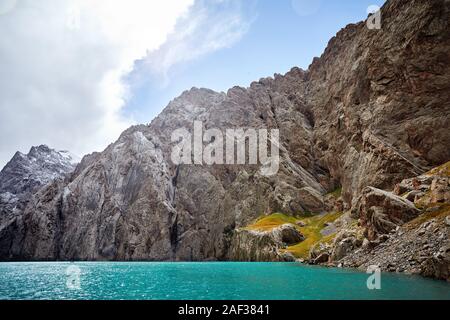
(215, 280)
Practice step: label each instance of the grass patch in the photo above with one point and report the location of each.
(311, 231)
(268, 223)
(328, 239)
(437, 212)
(443, 170)
(424, 201)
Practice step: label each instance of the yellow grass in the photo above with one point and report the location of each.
(268, 223)
(311, 231)
(441, 211)
(443, 170)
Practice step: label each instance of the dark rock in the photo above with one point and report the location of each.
(289, 234)
(322, 258)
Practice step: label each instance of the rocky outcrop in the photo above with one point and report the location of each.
(25, 173)
(371, 111)
(415, 243)
(256, 245)
(345, 242)
(320, 253)
(381, 212)
(420, 250)
(425, 190)
(288, 234)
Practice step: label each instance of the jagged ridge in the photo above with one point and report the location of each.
(371, 111)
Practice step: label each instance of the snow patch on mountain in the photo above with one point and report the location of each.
(24, 174)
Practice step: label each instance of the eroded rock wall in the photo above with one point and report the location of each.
(372, 110)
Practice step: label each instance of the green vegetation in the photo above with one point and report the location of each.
(311, 231)
(268, 223)
(443, 170)
(438, 212)
(336, 193)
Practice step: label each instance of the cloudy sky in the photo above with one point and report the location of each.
(75, 73)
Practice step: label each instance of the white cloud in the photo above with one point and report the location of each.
(62, 62)
(61, 65)
(211, 25)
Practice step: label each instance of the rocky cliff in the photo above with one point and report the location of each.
(371, 111)
(23, 176)
(26, 173)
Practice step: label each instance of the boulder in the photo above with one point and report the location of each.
(311, 199)
(288, 234)
(300, 223)
(345, 242)
(322, 258)
(420, 183)
(381, 212)
(413, 195)
(440, 190)
(342, 248)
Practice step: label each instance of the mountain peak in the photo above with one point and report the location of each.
(25, 173)
(40, 148)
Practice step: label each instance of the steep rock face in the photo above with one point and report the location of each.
(255, 245)
(380, 98)
(131, 203)
(372, 110)
(20, 179)
(26, 173)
